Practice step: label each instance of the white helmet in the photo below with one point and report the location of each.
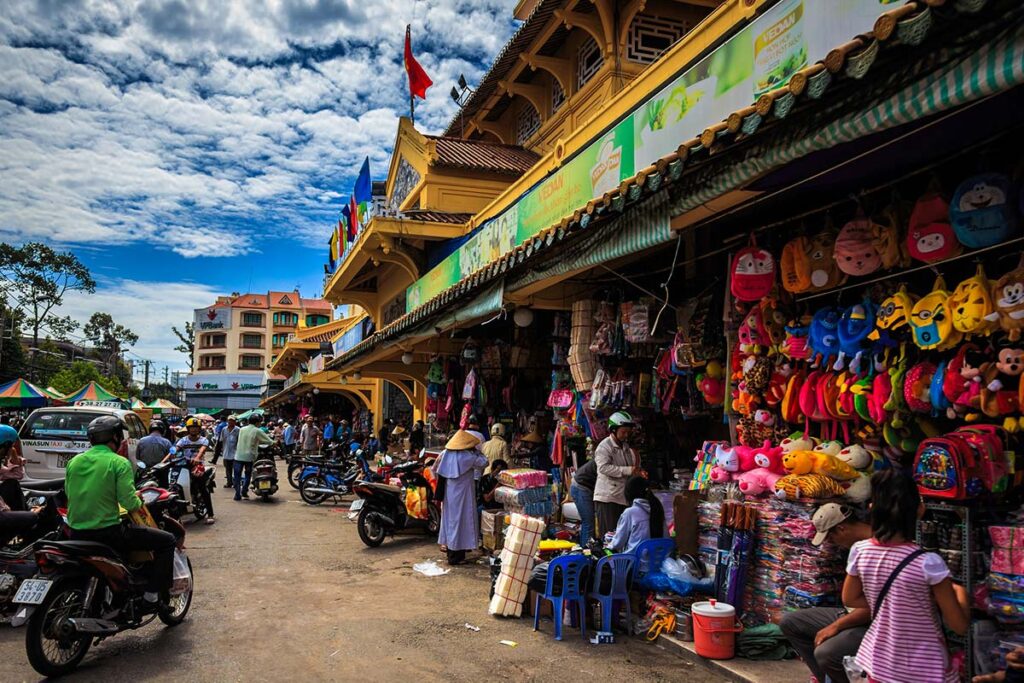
(620, 419)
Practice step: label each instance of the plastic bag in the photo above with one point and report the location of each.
(182, 574)
(416, 502)
(675, 576)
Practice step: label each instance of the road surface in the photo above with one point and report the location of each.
(286, 591)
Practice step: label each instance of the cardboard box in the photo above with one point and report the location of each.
(492, 522)
(493, 541)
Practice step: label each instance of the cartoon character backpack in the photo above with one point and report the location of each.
(1008, 297)
(795, 265)
(891, 249)
(825, 273)
(855, 251)
(855, 324)
(892, 318)
(753, 273)
(930, 320)
(970, 304)
(752, 332)
(930, 237)
(823, 337)
(983, 210)
(947, 467)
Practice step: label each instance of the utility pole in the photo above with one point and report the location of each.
(166, 369)
(145, 384)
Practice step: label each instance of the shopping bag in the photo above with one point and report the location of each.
(182, 574)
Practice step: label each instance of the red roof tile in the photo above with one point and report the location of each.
(483, 156)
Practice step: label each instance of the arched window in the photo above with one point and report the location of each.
(527, 123)
(588, 62)
(650, 36)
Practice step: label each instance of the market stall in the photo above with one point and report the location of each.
(21, 393)
(92, 392)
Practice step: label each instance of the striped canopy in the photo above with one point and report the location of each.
(162, 406)
(136, 404)
(22, 394)
(55, 396)
(92, 392)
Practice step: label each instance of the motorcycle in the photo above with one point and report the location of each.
(328, 480)
(298, 464)
(183, 477)
(264, 477)
(86, 591)
(382, 507)
(18, 539)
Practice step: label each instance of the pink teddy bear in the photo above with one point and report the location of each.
(766, 472)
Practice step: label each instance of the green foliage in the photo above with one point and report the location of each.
(80, 373)
(188, 341)
(12, 356)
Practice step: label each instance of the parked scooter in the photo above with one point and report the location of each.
(264, 477)
(19, 534)
(382, 507)
(327, 480)
(86, 591)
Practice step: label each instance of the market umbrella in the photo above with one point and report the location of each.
(92, 392)
(22, 394)
(248, 413)
(137, 404)
(56, 398)
(163, 406)
(725, 534)
(739, 557)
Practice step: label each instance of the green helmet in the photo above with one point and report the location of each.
(620, 419)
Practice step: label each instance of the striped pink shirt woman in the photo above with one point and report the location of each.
(905, 643)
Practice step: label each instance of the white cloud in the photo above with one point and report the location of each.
(120, 117)
(148, 309)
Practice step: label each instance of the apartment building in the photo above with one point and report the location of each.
(238, 338)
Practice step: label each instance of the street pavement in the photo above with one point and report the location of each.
(285, 590)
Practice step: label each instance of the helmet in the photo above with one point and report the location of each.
(620, 419)
(193, 422)
(497, 429)
(8, 435)
(157, 424)
(104, 429)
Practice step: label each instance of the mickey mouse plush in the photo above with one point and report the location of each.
(1001, 395)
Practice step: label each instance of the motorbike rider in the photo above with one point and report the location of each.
(12, 469)
(192, 447)
(97, 482)
(246, 452)
(14, 521)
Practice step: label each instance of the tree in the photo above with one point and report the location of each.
(12, 356)
(49, 360)
(60, 328)
(188, 341)
(34, 279)
(110, 339)
(82, 372)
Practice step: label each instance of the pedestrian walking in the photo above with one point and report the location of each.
(329, 428)
(616, 462)
(582, 492)
(909, 591)
(229, 437)
(249, 439)
(288, 436)
(460, 464)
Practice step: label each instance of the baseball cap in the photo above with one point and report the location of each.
(828, 517)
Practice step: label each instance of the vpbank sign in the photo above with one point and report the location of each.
(251, 383)
(212, 318)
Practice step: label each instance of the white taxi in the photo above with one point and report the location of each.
(50, 437)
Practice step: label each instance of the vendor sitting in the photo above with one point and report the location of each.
(488, 484)
(643, 519)
(823, 636)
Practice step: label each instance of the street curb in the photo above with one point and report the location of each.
(738, 669)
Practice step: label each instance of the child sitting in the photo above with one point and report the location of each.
(642, 520)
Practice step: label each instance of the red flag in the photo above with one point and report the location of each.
(419, 81)
(353, 218)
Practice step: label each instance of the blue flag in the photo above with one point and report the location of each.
(363, 193)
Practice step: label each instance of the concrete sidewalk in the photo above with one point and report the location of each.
(739, 669)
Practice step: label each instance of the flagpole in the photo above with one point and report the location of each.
(412, 99)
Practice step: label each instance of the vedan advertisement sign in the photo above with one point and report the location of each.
(316, 364)
(212, 318)
(759, 58)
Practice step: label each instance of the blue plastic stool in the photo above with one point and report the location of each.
(620, 567)
(650, 555)
(572, 569)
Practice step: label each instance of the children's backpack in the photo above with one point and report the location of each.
(983, 210)
(917, 387)
(947, 467)
(790, 405)
(970, 304)
(1008, 298)
(892, 250)
(752, 273)
(930, 237)
(935, 394)
(989, 443)
(823, 337)
(856, 323)
(930, 320)
(795, 266)
(855, 251)
(435, 374)
(825, 273)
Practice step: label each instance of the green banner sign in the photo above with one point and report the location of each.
(759, 58)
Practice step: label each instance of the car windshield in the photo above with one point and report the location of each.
(70, 424)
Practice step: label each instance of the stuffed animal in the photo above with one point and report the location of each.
(796, 486)
(970, 305)
(757, 481)
(857, 457)
(963, 383)
(824, 334)
(795, 345)
(1008, 297)
(855, 251)
(855, 324)
(798, 441)
(825, 273)
(859, 490)
(830, 447)
(727, 464)
(752, 333)
(1000, 397)
(753, 273)
(815, 462)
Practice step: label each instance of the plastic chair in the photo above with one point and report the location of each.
(572, 569)
(650, 555)
(621, 566)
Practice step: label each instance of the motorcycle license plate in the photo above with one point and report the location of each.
(264, 485)
(32, 591)
(357, 505)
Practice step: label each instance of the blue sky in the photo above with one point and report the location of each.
(186, 148)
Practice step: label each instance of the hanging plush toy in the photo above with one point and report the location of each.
(774, 319)
(795, 265)
(892, 319)
(753, 273)
(856, 323)
(825, 273)
(983, 211)
(931, 322)
(823, 337)
(752, 333)
(795, 345)
(1008, 297)
(963, 383)
(855, 251)
(930, 237)
(1000, 396)
(970, 305)
(891, 249)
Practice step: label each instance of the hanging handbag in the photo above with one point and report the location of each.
(560, 399)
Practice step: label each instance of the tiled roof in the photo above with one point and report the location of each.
(506, 59)
(321, 337)
(483, 156)
(250, 301)
(437, 216)
(316, 304)
(284, 299)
